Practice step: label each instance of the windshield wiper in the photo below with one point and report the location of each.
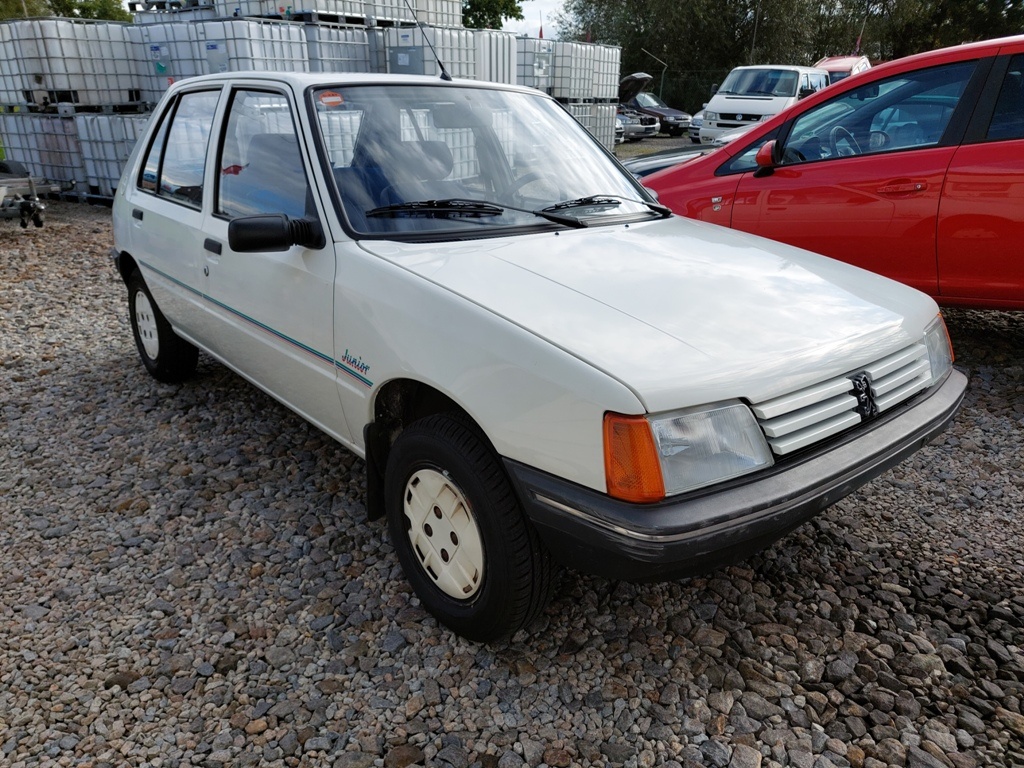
(468, 208)
(606, 200)
(581, 202)
(472, 208)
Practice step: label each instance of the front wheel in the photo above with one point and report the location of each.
(167, 356)
(461, 536)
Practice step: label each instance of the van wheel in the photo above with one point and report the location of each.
(462, 538)
(167, 356)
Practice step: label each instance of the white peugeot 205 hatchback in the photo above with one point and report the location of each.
(539, 364)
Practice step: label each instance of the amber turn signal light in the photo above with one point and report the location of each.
(631, 467)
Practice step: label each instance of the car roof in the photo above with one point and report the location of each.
(791, 67)
(839, 62)
(302, 80)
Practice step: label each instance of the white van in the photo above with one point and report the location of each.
(752, 94)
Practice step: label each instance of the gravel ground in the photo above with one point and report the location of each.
(188, 580)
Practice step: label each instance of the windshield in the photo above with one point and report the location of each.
(646, 99)
(760, 82)
(410, 160)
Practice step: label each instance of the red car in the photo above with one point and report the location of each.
(913, 169)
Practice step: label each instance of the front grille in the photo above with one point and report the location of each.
(802, 418)
(648, 120)
(742, 117)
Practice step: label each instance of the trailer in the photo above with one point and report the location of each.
(20, 191)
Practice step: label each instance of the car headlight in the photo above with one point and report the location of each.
(766, 117)
(710, 115)
(940, 350)
(650, 457)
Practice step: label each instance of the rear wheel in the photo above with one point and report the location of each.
(461, 536)
(167, 356)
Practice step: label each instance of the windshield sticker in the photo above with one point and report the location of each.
(331, 99)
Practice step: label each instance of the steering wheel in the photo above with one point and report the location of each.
(834, 137)
(512, 190)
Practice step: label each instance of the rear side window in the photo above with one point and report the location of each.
(176, 160)
(1008, 117)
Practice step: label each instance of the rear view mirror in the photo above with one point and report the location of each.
(273, 232)
(458, 116)
(765, 159)
(867, 92)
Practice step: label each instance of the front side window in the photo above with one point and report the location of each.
(1008, 118)
(908, 111)
(260, 163)
(466, 161)
(176, 160)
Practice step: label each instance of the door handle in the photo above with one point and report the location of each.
(137, 214)
(212, 246)
(903, 187)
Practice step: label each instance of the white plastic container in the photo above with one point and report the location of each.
(606, 72)
(439, 13)
(377, 41)
(164, 53)
(387, 11)
(234, 45)
(45, 144)
(456, 47)
(176, 15)
(337, 48)
(535, 63)
(12, 79)
(495, 56)
(573, 71)
(602, 124)
(106, 142)
(88, 63)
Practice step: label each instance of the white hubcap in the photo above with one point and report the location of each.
(145, 322)
(443, 533)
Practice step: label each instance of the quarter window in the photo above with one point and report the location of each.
(176, 162)
(1008, 117)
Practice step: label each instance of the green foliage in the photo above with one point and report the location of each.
(489, 14)
(110, 10)
(701, 40)
(16, 9)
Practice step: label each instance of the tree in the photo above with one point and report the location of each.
(110, 10)
(16, 9)
(489, 14)
(701, 40)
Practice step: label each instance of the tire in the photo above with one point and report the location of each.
(445, 484)
(167, 356)
(13, 167)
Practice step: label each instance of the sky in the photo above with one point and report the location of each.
(534, 11)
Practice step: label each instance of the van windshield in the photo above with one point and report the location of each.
(760, 82)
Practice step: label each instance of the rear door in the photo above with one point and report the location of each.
(861, 174)
(981, 216)
(165, 202)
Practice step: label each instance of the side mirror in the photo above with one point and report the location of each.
(765, 159)
(274, 232)
(714, 90)
(805, 92)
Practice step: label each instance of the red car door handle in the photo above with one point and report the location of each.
(903, 187)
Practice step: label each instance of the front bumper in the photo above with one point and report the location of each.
(591, 532)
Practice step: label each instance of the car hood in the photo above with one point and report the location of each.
(631, 85)
(681, 312)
